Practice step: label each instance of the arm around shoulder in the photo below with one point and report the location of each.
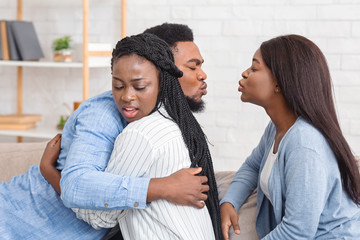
(83, 182)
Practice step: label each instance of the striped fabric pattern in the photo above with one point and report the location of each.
(152, 147)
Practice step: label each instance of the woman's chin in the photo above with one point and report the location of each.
(243, 99)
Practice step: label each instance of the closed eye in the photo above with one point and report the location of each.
(140, 88)
(118, 87)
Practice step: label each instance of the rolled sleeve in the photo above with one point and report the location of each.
(133, 190)
(138, 189)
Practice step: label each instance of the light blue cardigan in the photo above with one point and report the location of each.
(305, 187)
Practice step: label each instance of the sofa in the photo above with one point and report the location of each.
(16, 158)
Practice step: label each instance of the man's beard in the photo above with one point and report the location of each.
(195, 107)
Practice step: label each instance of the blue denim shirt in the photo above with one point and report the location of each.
(87, 142)
(305, 187)
(31, 209)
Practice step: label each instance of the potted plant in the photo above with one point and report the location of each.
(62, 49)
(62, 122)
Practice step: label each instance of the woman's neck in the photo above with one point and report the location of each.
(283, 118)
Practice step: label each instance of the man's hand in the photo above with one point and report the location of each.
(229, 217)
(48, 162)
(51, 152)
(181, 187)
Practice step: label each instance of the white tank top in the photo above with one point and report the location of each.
(266, 171)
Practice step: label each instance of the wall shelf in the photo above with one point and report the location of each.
(50, 64)
(39, 132)
(90, 59)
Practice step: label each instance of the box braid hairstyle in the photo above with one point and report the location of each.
(173, 99)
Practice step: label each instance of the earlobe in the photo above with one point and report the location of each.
(277, 89)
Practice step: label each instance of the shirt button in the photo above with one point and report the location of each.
(136, 204)
(106, 205)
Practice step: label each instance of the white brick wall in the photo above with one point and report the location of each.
(227, 33)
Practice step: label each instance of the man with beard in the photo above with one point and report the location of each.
(187, 58)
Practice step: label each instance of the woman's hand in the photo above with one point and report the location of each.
(229, 217)
(48, 162)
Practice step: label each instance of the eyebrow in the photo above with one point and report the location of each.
(197, 61)
(115, 78)
(256, 60)
(132, 80)
(137, 79)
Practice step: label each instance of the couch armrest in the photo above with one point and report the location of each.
(16, 158)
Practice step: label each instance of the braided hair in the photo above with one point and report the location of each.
(173, 99)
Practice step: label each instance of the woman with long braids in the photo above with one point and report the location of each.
(306, 175)
(164, 134)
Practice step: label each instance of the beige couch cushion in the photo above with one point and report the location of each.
(16, 158)
(247, 212)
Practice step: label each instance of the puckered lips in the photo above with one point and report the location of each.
(203, 88)
(129, 111)
(241, 87)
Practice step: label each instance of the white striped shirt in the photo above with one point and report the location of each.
(152, 147)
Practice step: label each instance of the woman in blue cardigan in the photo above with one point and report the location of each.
(306, 175)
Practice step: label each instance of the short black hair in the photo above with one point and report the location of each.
(172, 33)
